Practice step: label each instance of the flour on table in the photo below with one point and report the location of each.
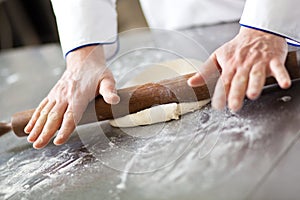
(165, 112)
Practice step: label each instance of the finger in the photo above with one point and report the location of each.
(54, 121)
(67, 127)
(256, 81)
(208, 71)
(280, 73)
(196, 80)
(222, 88)
(39, 125)
(108, 91)
(238, 89)
(219, 97)
(35, 116)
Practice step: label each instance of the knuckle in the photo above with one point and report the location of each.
(44, 113)
(54, 116)
(242, 79)
(69, 115)
(227, 83)
(226, 80)
(254, 53)
(38, 127)
(268, 55)
(257, 73)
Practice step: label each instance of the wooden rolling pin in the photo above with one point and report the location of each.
(134, 99)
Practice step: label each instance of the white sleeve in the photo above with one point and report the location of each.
(280, 17)
(179, 14)
(86, 22)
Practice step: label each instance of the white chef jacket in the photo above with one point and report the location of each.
(86, 22)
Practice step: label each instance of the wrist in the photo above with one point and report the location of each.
(258, 32)
(78, 58)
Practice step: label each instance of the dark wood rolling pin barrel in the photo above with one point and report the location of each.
(137, 98)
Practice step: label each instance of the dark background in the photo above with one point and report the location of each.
(32, 22)
(26, 22)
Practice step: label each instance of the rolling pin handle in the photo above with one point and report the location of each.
(4, 128)
(19, 122)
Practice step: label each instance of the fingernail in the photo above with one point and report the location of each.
(287, 83)
(29, 139)
(26, 129)
(114, 98)
(58, 137)
(190, 81)
(252, 94)
(37, 144)
(57, 142)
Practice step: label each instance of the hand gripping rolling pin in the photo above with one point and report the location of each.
(134, 99)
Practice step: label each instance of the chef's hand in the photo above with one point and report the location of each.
(85, 77)
(245, 62)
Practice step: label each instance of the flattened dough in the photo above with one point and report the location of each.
(165, 112)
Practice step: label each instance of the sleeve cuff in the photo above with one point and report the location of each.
(288, 40)
(110, 49)
(279, 17)
(86, 22)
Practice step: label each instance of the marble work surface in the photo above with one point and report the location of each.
(208, 154)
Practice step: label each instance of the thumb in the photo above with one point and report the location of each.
(206, 72)
(108, 91)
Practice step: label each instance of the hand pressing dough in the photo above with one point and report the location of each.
(165, 112)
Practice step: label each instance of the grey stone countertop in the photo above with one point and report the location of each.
(207, 154)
